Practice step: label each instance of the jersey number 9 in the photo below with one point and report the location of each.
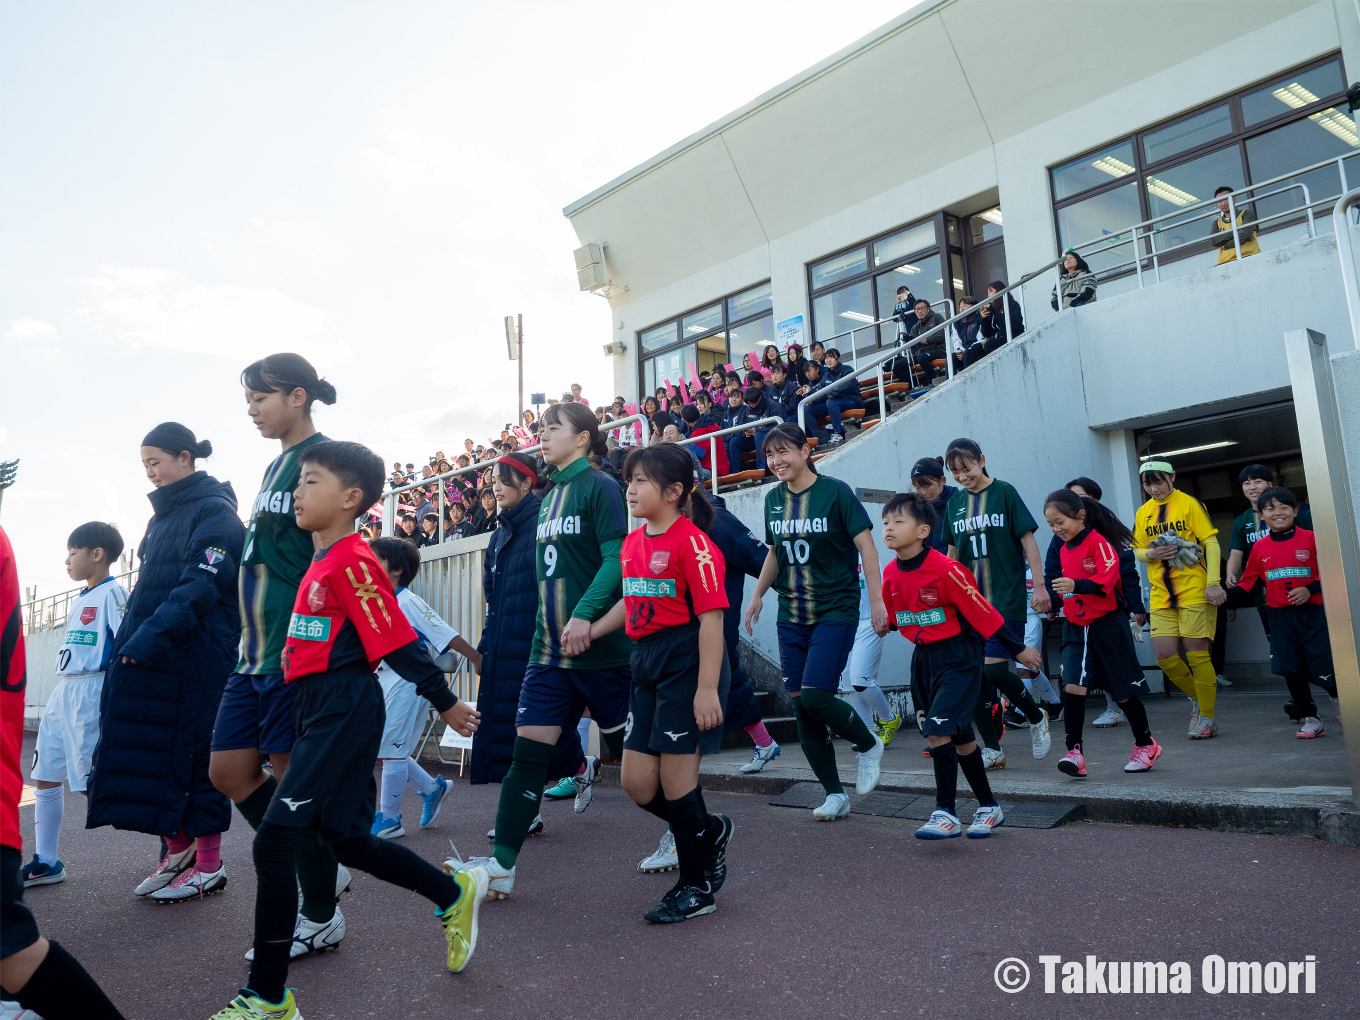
(550, 559)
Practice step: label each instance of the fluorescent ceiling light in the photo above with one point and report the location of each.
(1170, 193)
(857, 316)
(1294, 95)
(909, 270)
(1190, 449)
(1113, 167)
(992, 215)
(1339, 124)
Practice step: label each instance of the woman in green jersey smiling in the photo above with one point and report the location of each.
(991, 532)
(818, 534)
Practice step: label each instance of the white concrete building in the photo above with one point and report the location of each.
(973, 140)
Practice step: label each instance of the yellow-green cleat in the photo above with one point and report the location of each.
(460, 920)
(887, 728)
(249, 1006)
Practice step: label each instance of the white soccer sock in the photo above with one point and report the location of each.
(1040, 688)
(583, 731)
(876, 700)
(418, 779)
(862, 708)
(393, 787)
(48, 807)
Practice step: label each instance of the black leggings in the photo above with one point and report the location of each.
(276, 892)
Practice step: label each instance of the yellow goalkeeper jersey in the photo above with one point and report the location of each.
(1174, 587)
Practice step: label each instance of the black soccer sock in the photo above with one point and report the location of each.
(394, 863)
(274, 851)
(693, 836)
(1138, 721)
(253, 807)
(611, 743)
(839, 717)
(1302, 694)
(1010, 685)
(816, 744)
(62, 988)
(1074, 717)
(316, 871)
(521, 794)
(982, 722)
(975, 771)
(657, 806)
(946, 777)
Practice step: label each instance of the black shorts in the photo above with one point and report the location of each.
(329, 783)
(18, 929)
(1102, 656)
(661, 704)
(255, 711)
(946, 679)
(1300, 647)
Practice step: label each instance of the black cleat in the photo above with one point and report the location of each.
(680, 904)
(715, 868)
(1292, 710)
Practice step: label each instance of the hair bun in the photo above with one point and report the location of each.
(204, 449)
(325, 392)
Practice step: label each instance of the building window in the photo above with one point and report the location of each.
(720, 333)
(852, 289)
(1255, 135)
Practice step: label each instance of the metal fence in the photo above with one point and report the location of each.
(50, 611)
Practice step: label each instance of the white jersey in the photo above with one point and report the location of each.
(90, 627)
(865, 612)
(433, 632)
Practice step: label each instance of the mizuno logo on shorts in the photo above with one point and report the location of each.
(293, 805)
(675, 736)
(936, 718)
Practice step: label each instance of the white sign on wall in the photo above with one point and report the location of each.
(789, 331)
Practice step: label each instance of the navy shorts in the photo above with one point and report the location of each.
(18, 929)
(554, 696)
(1300, 647)
(814, 654)
(661, 705)
(946, 679)
(994, 649)
(256, 711)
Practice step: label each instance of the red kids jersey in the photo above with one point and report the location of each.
(1286, 560)
(12, 676)
(926, 596)
(669, 579)
(1093, 563)
(345, 613)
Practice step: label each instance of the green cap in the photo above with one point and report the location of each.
(1163, 466)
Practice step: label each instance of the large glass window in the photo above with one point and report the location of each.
(716, 334)
(1250, 137)
(842, 310)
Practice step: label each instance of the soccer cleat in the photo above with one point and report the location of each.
(387, 828)
(715, 868)
(35, 872)
(887, 729)
(985, 820)
(680, 904)
(1292, 710)
(434, 800)
(249, 1006)
(535, 829)
(1054, 709)
(10, 1010)
(499, 881)
(993, 759)
(566, 787)
(192, 885)
(585, 782)
(1204, 727)
(761, 756)
(1073, 763)
(1112, 716)
(313, 936)
(1312, 727)
(836, 805)
(1141, 758)
(1222, 681)
(460, 920)
(168, 870)
(1336, 709)
(1194, 718)
(870, 768)
(942, 825)
(1015, 719)
(665, 859)
(1040, 739)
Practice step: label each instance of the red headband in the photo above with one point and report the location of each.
(519, 466)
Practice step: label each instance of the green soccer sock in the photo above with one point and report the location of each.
(521, 794)
(816, 743)
(316, 871)
(1010, 685)
(253, 807)
(986, 728)
(839, 718)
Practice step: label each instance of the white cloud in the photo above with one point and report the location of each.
(146, 307)
(31, 329)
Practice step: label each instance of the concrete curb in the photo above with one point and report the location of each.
(1325, 818)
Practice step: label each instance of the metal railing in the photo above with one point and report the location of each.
(712, 439)
(1345, 246)
(946, 304)
(50, 611)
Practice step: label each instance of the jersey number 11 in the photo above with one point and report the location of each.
(974, 539)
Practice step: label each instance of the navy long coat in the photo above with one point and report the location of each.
(183, 631)
(510, 583)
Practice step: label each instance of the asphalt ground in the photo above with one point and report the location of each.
(851, 919)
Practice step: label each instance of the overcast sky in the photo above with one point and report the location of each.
(185, 187)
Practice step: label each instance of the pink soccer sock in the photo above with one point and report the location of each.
(210, 853)
(759, 734)
(178, 844)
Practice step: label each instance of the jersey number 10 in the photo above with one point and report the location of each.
(797, 552)
(974, 539)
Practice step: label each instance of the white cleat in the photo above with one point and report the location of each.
(585, 784)
(942, 825)
(1040, 740)
(985, 819)
(500, 880)
(535, 829)
(870, 768)
(313, 936)
(993, 759)
(192, 885)
(665, 858)
(836, 805)
(1112, 716)
(760, 757)
(343, 880)
(169, 869)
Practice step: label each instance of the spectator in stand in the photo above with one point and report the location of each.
(468, 447)
(931, 349)
(782, 391)
(672, 434)
(812, 372)
(457, 525)
(904, 312)
(650, 406)
(1221, 229)
(969, 331)
(770, 357)
(993, 315)
(659, 421)
(530, 423)
(752, 408)
(673, 406)
(484, 516)
(575, 395)
(661, 396)
(749, 364)
(408, 529)
(817, 353)
(797, 364)
(836, 401)
(700, 422)
(730, 409)
(717, 382)
(599, 414)
(429, 530)
(1077, 284)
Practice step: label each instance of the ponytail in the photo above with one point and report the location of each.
(174, 439)
(284, 373)
(579, 418)
(1099, 517)
(666, 464)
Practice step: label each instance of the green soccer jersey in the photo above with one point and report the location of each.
(582, 524)
(985, 529)
(277, 554)
(813, 536)
(1248, 529)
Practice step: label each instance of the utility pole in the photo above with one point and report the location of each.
(514, 343)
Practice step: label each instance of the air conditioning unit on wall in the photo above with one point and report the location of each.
(592, 274)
